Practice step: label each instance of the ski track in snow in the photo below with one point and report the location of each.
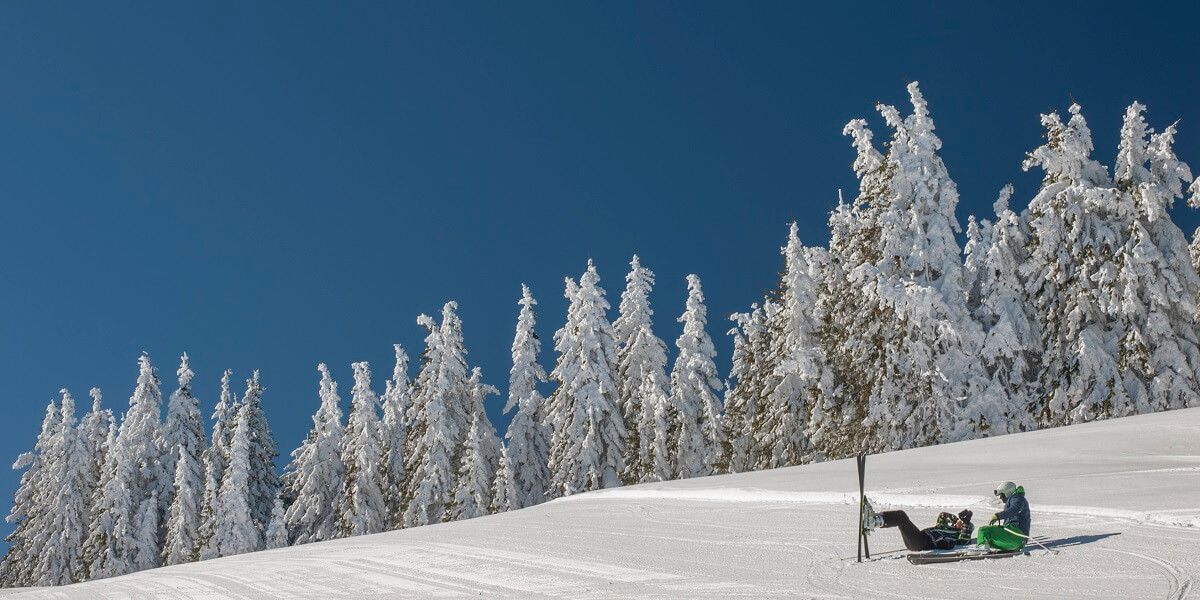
(1116, 499)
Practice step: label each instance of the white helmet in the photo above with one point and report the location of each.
(1005, 489)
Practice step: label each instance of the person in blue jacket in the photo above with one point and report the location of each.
(1008, 528)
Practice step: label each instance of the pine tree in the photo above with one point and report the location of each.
(264, 483)
(439, 425)
(473, 497)
(30, 504)
(96, 426)
(740, 400)
(183, 519)
(524, 477)
(66, 517)
(317, 474)
(641, 364)
(277, 533)
(120, 539)
(216, 460)
(920, 277)
(504, 486)
(694, 387)
(1011, 347)
(587, 445)
(236, 531)
(185, 443)
(361, 510)
(854, 325)
(795, 359)
(1071, 242)
(1156, 292)
(397, 400)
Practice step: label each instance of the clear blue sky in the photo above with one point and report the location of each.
(273, 185)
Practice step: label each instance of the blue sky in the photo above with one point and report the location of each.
(272, 185)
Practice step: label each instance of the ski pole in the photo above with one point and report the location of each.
(1055, 552)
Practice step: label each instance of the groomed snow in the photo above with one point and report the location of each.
(1119, 499)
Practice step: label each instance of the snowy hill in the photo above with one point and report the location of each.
(1119, 499)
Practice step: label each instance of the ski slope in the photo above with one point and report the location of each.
(1119, 500)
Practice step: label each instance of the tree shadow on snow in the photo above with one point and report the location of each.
(1078, 540)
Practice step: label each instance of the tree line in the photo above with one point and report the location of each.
(1082, 306)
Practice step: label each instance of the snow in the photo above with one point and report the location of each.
(1116, 498)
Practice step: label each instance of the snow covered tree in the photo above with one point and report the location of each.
(316, 474)
(185, 444)
(119, 539)
(397, 400)
(361, 509)
(66, 517)
(216, 460)
(524, 477)
(1071, 252)
(472, 497)
(587, 446)
(641, 365)
(920, 278)
(1011, 346)
(854, 324)
(1157, 288)
(503, 487)
(264, 483)
(236, 531)
(694, 387)
(742, 396)
(30, 504)
(795, 360)
(183, 520)
(277, 533)
(439, 424)
(96, 426)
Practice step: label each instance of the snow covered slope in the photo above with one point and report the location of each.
(1119, 499)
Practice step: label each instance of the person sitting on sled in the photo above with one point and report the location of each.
(950, 530)
(1014, 520)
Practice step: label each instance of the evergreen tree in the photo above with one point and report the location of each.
(795, 359)
(184, 440)
(317, 474)
(183, 520)
(740, 400)
(854, 325)
(264, 483)
(361, 510)
(473, 497)
(1071, 247)
(525, 477)
(96, 426)
(588, 441)
(439, 425)
(641, 364)
(277, 533)
(1011, 346)
(120, 539)
(236, 531)
(1156, 292)
(30, 504)
(216, 460)
(920, 278)
(396, 402)
(480, 456)
(66, 517)
(504, 487)
(694, 387)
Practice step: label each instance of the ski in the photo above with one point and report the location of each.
(861, 460)
(933, 558)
